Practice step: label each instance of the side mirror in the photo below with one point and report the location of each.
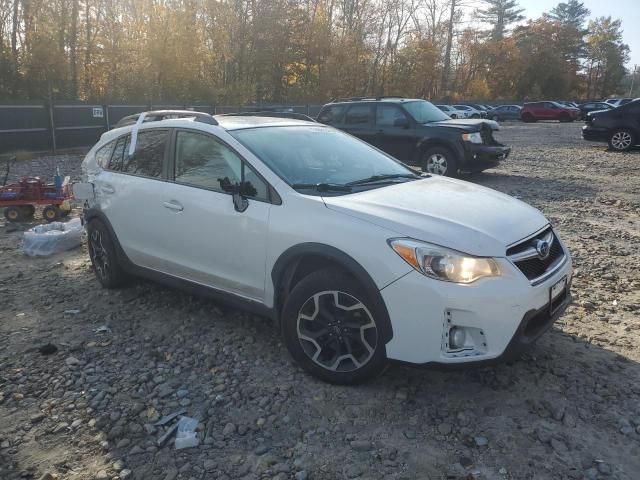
(401, 122)
(240, 203)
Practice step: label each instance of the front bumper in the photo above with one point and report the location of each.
(503, 315)
(594, 134)
(477, 156)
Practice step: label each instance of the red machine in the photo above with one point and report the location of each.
(20, 199)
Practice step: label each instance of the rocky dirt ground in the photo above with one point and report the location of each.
(569, 409)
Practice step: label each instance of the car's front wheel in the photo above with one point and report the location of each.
(332, 329)
(439, 161)
(621, 140)
(103, 256)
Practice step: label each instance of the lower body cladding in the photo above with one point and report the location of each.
(488, 320)
(593, 134)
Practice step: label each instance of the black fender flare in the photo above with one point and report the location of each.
(425, 143)
(94, 213)
(281, 275)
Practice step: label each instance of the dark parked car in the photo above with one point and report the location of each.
(505, 112)
(532, 112)
(619, 127)
(417, 132)
(593, 107)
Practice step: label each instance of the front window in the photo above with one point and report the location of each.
(311, 156)
(425, 112)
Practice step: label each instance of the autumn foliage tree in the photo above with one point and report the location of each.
(290, 51)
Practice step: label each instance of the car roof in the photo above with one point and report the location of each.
(241, 122)
(357, 100)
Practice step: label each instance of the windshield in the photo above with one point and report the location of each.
(314, 155)
(425, 112)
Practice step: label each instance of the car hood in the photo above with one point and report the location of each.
(468, 124)
(447, 212)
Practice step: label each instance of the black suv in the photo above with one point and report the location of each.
(418, 133)
(619, 127)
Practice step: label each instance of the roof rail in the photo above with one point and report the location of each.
(359, 99)
(267, 113)
(158, 115)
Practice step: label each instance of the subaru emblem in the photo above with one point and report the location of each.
(543, 249)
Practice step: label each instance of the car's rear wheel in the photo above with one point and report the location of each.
(621, 140)
(527, 117)
(103, 256)
(475, 115)
(454, 116)
(331, 328)
(439, 161)
(495, 118)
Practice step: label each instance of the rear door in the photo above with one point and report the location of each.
(394, 132)
(130, 194)
(358, 121)
(213, 243)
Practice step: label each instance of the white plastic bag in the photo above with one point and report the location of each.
(186, 436)
(52, 238)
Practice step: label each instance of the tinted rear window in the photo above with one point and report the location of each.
(359, 114)
(331, 115)
(148, 158)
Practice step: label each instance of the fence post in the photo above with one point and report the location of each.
(52, 121)
(106, 116)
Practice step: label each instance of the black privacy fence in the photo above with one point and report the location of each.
(28, 126)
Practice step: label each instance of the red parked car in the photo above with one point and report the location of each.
(532, 112)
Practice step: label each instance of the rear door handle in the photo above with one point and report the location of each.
(108, 189)
(173, 205)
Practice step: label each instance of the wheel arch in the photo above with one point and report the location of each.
(300, 260)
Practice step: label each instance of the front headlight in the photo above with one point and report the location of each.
(442, 263)
(474, 137)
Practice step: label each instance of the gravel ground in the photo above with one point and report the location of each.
(569, 409)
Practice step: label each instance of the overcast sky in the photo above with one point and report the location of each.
(626, 10)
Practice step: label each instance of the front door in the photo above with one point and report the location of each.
(213, 243)
(394, 133)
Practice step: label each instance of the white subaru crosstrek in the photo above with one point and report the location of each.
(358, 259)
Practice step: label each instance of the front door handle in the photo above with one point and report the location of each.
(173, 205)
(106, 188)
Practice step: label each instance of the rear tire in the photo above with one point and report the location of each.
(495, 118)
(439, 161)
(528, 118)
(51, 213)
(103, 256)
(332, 328)
(13, 214)
(622, 140)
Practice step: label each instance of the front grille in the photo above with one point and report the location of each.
(525, 256)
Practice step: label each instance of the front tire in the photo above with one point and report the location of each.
(439, 161)
(51, 213)
(621, 140)
(103, 256)
(332, 328)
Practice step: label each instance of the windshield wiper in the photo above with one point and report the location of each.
(378, 178)
(323, 187)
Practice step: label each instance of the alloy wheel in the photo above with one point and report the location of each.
(621, 140)
(436, 164)
(337, 331)
(99, 254)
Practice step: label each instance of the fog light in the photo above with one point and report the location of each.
(457, 338)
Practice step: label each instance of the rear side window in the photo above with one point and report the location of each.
(122, 145)
(331, 115)
(359, 114)
(148, 158)
(103, 155)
